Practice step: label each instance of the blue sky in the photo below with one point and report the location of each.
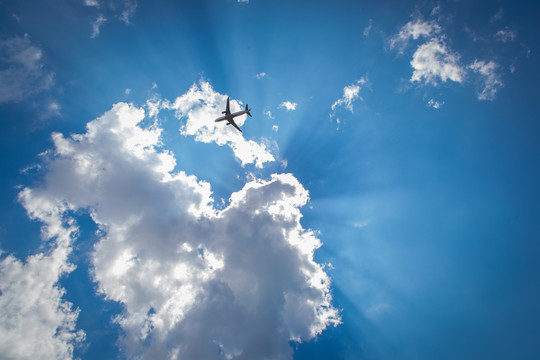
(380, 204)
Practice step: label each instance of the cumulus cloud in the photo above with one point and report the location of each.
(432, 61)
(350, 93)
(288, 105)
(35, 322)
(195, 282)
(96, 25)
(490, 78)
(200, 106)
(23, 69)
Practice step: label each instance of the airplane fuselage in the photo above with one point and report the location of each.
(231, 116)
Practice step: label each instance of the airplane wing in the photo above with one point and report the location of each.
(228, 109)
(231, 121)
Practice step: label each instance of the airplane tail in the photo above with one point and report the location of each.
(247, 111)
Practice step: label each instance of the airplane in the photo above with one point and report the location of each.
(229, 117)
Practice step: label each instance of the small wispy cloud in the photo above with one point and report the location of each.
(260, 75)
(288, 105)
(361, 224)
(23, 71)
(491, 79)
(413, 29)
(94, 3)
(350, 93)
(51, 110)
(275, 128)
(505, 35)
(130, 6)
(377, 310)
(122, 10)
(96, 25)
(367, 29)
(435, 104)
(268, 113)
(497, 16)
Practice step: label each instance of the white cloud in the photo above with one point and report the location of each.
(435, 104)
(498, 16)
(35, 322)
(413, 29)
(129, 10)
(200, 106)
(122, 10)
(275, 128)
(91, 3)
(268, 113)
(367, 29)
(51, 110)
(361, 224)
(288, 105)
(505, 35)
(243, 1)
(23, 69)
(377, 310)
(100, 20)
(491, 79)
(195, 282)
(260, 75)
(350, 93)
(433, 61)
